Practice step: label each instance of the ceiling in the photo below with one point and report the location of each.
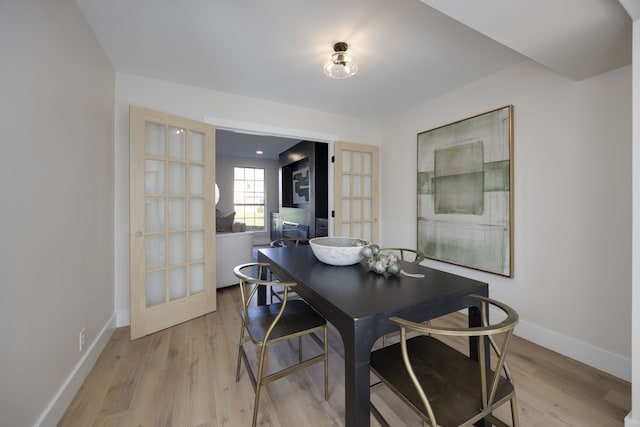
(409, 51)
(234, 144)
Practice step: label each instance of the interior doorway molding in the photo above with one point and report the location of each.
(267, 130)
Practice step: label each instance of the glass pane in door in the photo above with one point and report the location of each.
(176, 178)
(368, 163)
(177, 214)
(367, 231)
(154, 251)
(153, 177)
(196, 246)
(346, 209)
(357, 210)
(346, 185)
(196, 279)
(357, 163)
(154, 140)
(155, 288)
(196, 213)
(346, 161)
(177, 144)
(177, 283)
(154, 214)
(196, 179)
(366, 210)
(357, 185)
(177, 248)
(356, 230)
(196, 147)
(366, 189)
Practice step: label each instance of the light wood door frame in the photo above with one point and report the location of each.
(144, 319)
(358, 201)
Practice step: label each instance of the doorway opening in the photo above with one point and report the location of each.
(237, 144)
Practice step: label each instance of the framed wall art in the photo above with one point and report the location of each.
(300, 184)
(465, 200)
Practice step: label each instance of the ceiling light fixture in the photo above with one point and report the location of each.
(259, 152)
(341, 64)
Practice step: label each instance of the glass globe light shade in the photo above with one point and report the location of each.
(217, 194)
(341, 64)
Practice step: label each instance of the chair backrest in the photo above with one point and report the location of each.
(250, 275)
(405, 254)
(287, 241)
(503, 328)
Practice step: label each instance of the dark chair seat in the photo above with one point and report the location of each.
(448, 377)
(297, 317)
(443, 386)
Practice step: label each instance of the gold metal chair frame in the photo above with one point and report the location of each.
(405, 254)
(274, 291)
(269, 324)
(411, 255)
(463, 391)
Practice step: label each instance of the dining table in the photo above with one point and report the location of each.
(359, 303)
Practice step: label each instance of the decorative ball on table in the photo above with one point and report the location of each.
(384, 263)
(381, 263)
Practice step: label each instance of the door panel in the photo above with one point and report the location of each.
(356, 191)
(172, 241)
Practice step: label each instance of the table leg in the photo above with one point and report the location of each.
(262, 290)
(357, 353)
(262, 295)
(475, 319)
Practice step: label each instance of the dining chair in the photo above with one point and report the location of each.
(286, 241)
(405, 254)
(443, 386)
(411, 255)
(264, 325)
(278, 243)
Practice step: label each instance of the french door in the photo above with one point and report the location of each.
(356, 174)
(172, 223)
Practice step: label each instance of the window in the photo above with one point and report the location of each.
(249, 197)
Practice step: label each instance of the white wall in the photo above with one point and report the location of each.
(633, 418)
(56, 181)
(198, 104)
(572, 214)
(224, 179)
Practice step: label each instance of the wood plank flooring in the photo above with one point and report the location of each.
(185, 376)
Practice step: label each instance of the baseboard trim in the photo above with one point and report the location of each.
(124, 318)
(58, 405)
(588, 354)
(630, 422)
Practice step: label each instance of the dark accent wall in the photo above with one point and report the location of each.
(304, 178)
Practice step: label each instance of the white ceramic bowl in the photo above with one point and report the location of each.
(336, 250)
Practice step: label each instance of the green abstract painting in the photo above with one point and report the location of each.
(465, 205)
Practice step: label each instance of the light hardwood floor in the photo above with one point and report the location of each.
(185, 376)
